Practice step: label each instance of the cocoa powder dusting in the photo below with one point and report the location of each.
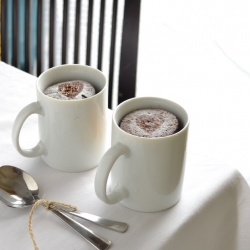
(71, 89)
(150, 123)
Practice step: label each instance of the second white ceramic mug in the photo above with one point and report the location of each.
(146, 173)
(72, 133)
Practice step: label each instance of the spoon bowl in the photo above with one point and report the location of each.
(21, 177)
(13, 194)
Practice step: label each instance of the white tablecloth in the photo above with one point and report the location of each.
(212, 214)
(190, 53)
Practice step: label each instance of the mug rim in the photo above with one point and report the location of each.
(149, 138)
(73, 65)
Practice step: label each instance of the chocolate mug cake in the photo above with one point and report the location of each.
(150, 123)
(70, 90)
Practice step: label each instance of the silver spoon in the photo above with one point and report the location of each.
(25, 179)
(13, 194)
(11, 191)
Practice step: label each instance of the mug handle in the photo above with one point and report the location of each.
(119, 192)
(39, 149)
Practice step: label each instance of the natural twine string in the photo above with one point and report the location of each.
(47, 204)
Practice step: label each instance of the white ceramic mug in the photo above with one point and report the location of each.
(72, 133)
(146, 173)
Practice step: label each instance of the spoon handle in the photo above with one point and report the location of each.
(97, 241)
(117, 226)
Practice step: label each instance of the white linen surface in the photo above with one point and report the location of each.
(212, 214)
(189, 53)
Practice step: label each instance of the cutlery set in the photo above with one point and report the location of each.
(18, 189)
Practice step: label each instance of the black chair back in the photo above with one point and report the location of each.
(29, 39)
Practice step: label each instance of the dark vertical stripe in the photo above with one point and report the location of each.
(15, 34)
(4, 31)
(77, 31)
(89, 32)
(39, 37)
(65, 30)
(51, 33)
(129, 50)
(101, 33)
(27, 36)
(112, 53)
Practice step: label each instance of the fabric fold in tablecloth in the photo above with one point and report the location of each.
(213, 224)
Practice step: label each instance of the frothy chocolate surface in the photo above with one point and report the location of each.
(70, 90)
(150, 123)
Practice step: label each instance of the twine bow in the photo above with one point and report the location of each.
(47, 204)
